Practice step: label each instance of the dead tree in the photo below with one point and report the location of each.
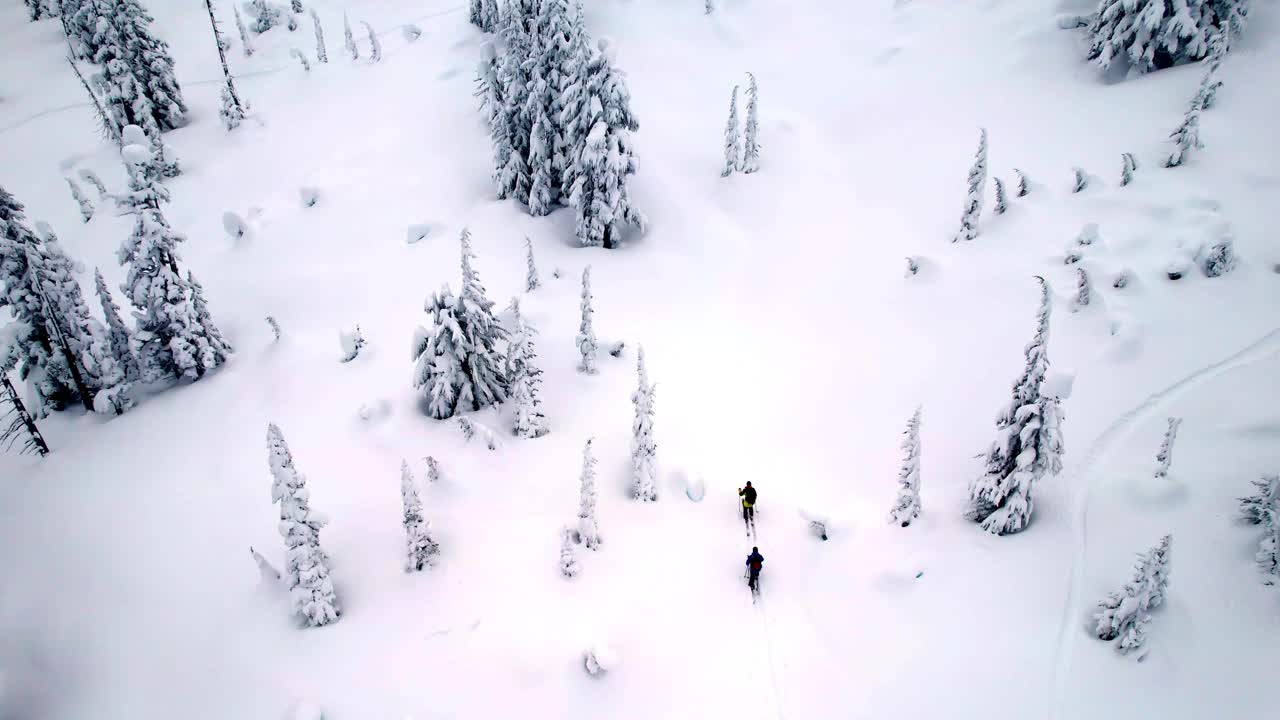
(16, 422)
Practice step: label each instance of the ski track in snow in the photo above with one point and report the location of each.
(1079, 481)
(768, 639)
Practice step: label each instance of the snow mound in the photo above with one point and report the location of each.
(134, 135)
(309, 195)
(599, 659)
(136, 154)
(1058, 383)
(235, 225)
(304, 710)
(418, 233)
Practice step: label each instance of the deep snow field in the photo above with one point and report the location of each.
(787, 347)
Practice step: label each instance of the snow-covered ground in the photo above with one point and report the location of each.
(787, 347)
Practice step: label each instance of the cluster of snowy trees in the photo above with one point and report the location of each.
(559, 115)
(1028, 447)
(1149, 35)
(65, 355)
(742, 154)
(135, 84)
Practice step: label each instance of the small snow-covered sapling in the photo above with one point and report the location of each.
(1126, 615)
(1083, 290)
(352, 343)
(973, 198)
(322, 55)
(302, 59)
(16, 422)
(244, 33)
(1001, 201)
(1177, 268)
(1126, 172)
(1121, 279)
(267, 14)
(231, 111)
(1024, 185)
(266, 571)
(907, 507)
(411, 32)
(1088, 234)
(617, 348)
(1165, 456)
(433, 469)
(751, 130)
(235, 225)
(588, 528)
(599, 659)
(295, 6)
(1221, 258)
(531, 280)
(375, 47)
(1072, 256)
(913, 266)
(1080, 180)
(709, 8)
(470, 429)
(586, 334)
(86, 205)
(1267, 497)
(349, 40)
(568, 556)
(1185, 137)
(309, 195)
(732, 140)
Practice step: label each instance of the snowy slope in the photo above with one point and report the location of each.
(787, 349)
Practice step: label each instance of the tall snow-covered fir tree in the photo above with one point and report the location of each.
(751, 132)
(150, 63)
(588, 527)
(644, 451)
(1028, 445)
(553, 63)
(217, 347)
(732, 138)
(1165, 457)
(83, 341)
(1185, 138)
(46, 365)
(322, 53)
(512, 125)
(232, 109)
(1127, 614)
(266, 15)
(125, 99)
(525, 378)
(977, 188)
(118, 335)
(574, 98)
(458, 367)
(1153, 34)
(586, 333)
(419, 547)
(604, 161)
(908, 504)
(531, 280)
(170, 339)
(80, 23)
(306, 565)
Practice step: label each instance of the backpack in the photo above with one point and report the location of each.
(756, 565)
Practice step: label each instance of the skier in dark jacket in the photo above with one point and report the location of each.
(755, 563)
(748, 495)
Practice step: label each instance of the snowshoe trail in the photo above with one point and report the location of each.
(1079, 483)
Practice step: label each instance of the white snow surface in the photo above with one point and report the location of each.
(786, 346)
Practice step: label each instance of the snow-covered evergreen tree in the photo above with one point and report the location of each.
(36, 9)
(531, 280)
(92, 178)
(574, 97)
(245, 44)
(1084, 290)
(1185, 138)
(349, 40)
(568, 558)
(302, 59)
(908, 505)
(163, 164)
(231, 111)
(732, 139)
(1127, 614)
(433, 470)
(458, 367)
(1028, 444)
(1268, 555)
(644, 451)
(118, 335)
(266, 15)
(977, 187)
(352, 342)
(588, 527)
(148, 59)
(276, 332)
(1024, 185)
(1153, 34)
(604, 160)
(475, 13)
(1253, 508)
(1002, 203)
(710, 8)
(1221, 258)
(170, 340)
(512, 126)
(525, 378)
(543, 182)
(295, 6)
(375, 47)
(124, 99)
(1207, 94)
(106, 122)
(419, 547)
(86, 205)
(1080, 180)
(15, 422)
(80, 22)
(1165, 456)
(586, 333)
(751, 133)
(322, 53)
(490, 16)
(306, 565)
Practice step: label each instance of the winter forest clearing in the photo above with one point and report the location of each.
(469, 321)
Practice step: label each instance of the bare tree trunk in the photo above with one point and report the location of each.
(107, 123)
(35, 441)
(222, 56)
